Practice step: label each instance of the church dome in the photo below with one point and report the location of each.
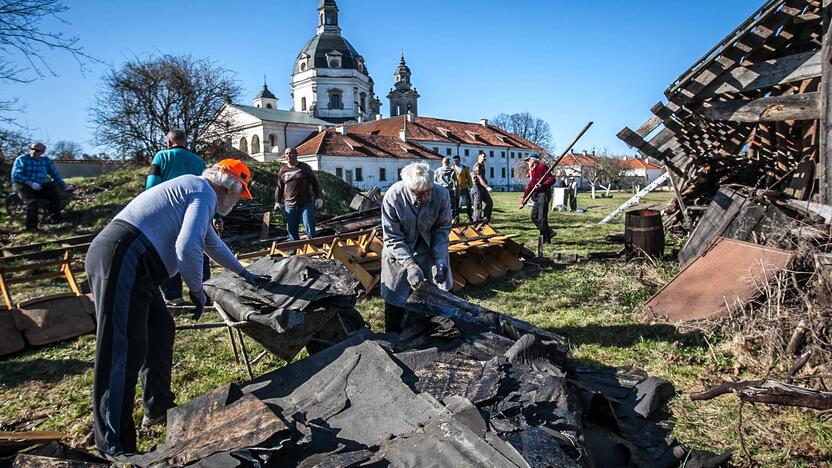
(329, 50)
(265, 93)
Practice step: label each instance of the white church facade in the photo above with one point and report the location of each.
(332, 91)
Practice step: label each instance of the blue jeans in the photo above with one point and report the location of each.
(293, 215)
(172, 287)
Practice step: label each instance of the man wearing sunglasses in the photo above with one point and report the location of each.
(35, 178)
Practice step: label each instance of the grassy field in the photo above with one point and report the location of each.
(591, 304)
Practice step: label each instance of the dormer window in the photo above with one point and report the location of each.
(361, 64)
(303, 62)
(333, 59)
(336, 99)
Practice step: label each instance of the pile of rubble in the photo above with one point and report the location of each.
(460, 386)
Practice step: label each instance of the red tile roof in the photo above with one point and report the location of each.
(445, 131)
(637, 163)
(332, 143)
(572, 159)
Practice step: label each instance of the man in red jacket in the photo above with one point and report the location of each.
(540, 197)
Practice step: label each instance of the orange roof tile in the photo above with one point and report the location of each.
(332, 143)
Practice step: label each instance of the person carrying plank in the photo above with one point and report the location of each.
(540, 195)
(164, 231)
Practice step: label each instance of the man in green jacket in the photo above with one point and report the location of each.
(169, 164)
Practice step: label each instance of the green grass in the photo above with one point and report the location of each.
(591, 304)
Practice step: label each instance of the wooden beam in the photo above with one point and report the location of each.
(825, 154)
(789, 69)
(769, 109)
(648, 126)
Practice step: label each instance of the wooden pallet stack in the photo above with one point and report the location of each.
(751, 111)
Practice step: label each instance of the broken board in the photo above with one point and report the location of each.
(11, 340)
(728, 274)
(54, 318)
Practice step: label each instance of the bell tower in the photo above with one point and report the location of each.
(404, 99)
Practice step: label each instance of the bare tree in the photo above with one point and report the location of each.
(23, 43)
(532, 128)
(138, 103)
(604, 171)
(66, 150)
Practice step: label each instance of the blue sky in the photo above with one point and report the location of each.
(567, 62)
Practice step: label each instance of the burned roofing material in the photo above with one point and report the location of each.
(747, 112)
(495, 392)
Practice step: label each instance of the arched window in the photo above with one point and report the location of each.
(303, 66)
(303, 104)
(268, 106)
(255, 144)
(244, 145)
(271, 142)
(362, 103)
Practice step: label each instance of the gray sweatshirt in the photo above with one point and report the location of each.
(176, 217)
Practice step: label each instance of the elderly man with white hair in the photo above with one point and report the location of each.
(162, 232)
(416, 221)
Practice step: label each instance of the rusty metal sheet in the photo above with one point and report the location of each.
(55, 318)
(727, 275)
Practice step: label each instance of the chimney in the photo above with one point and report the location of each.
(484, 122)
(410, 116)
(341, 129)
(378, 117)
(321, 128)
(403, 135)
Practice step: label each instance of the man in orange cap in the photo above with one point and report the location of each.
(164, 231)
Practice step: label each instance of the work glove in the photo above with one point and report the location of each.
(319, 203)
(414, 275)
(441, 274)
(278, 207)
(255, 279)
(35, 186)
(489, 189)
(199, 299)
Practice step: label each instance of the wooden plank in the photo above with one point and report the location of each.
(825, 154)
(635, 198)
(784, 70)
(648, 126)
(769, 109)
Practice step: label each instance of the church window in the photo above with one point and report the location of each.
(382, 174)
(363, 102)
(303, 66)
(467, 152)
(448, 151)
(359, 174)
(303, 104)
(335, 101)
(339, 172)
(244, 145)
(269, 106)
(333, 59)
(271, 142)
(255, 144)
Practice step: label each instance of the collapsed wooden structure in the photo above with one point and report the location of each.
(477, 252)
(753, 111)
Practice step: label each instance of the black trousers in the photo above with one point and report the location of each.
(134, 337)
(454, 204)
(465, 194)
(540, 213)
(172, 287)
(482, 197)
(32, 197)
(393, 318)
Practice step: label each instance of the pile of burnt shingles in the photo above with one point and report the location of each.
(309, 302)
(460, 386)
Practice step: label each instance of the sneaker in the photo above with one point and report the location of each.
(176, 302)
(148, 422)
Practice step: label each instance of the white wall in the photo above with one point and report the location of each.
(502, 162)
(314, 85)
(369, 168)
